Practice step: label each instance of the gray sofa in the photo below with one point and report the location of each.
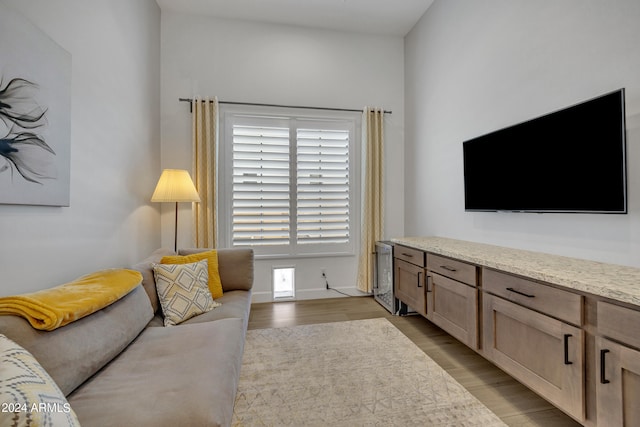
(121, 367)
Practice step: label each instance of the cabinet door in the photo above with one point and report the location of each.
(454, 307)
(410, 285)
(618, 384)
(543, 353)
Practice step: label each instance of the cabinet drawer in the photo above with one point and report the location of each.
(458, 270)
(414, 256)
(619, 323)
(557, 303)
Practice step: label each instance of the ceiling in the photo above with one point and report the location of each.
(385, 17)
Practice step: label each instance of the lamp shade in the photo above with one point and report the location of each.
(175, 185)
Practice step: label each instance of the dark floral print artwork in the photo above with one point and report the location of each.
(22, 149)
(35, 115)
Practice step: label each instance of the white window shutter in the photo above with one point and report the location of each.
(261, 186)
(322, 189)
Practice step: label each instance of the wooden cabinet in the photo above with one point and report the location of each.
(410, 278)
(535, 320)
(535, 333)
(543, 353)
(618, 366)
(618, 385)
(454, 307)
(452, 298)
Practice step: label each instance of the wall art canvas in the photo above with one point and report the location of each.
(35, 114)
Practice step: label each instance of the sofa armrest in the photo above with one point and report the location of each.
(145, 267)
(235, 266)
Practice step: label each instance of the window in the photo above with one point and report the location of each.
(289, 184)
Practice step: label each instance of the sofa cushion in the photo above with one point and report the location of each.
(215, 286)
(235, 304)
(183, 291)
(235, 267)
(181, 376)
(74, 352)
(28, 394)
(146, 268)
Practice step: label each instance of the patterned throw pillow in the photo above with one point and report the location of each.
(183, 291)
(28, 394)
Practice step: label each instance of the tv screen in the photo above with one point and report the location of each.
(569, 161)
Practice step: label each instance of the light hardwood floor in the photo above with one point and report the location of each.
(515, 404)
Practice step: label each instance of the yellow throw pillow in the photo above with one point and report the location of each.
(215, 284)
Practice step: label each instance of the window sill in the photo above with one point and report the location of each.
(296, 256)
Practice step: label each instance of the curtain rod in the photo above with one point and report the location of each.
(281, 106)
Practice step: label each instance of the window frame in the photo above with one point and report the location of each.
(352, 120)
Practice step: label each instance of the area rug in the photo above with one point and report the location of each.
(356, 373)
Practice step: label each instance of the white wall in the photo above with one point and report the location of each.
(115, 155)
(474, 67)
(251, 62)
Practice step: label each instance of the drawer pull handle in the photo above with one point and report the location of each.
(419, 283)
(566, 349)
(428, 279)
(407, 255)
(446, 267)
(521, 293)
(603, 379)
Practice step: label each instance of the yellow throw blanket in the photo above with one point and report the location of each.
(49, 309)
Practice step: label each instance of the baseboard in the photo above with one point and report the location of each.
(307, 294)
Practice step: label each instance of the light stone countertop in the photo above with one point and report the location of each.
(617, 282)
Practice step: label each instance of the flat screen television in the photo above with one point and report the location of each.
(569, 161)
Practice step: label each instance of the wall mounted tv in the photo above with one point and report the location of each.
(568, 161)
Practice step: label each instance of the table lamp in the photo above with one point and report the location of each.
(175, 185)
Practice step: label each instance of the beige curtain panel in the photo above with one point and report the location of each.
(373, 195)
(205, 140)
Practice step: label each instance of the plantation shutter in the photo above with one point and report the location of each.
(261, 185)
(322, 189)
(291, 184)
